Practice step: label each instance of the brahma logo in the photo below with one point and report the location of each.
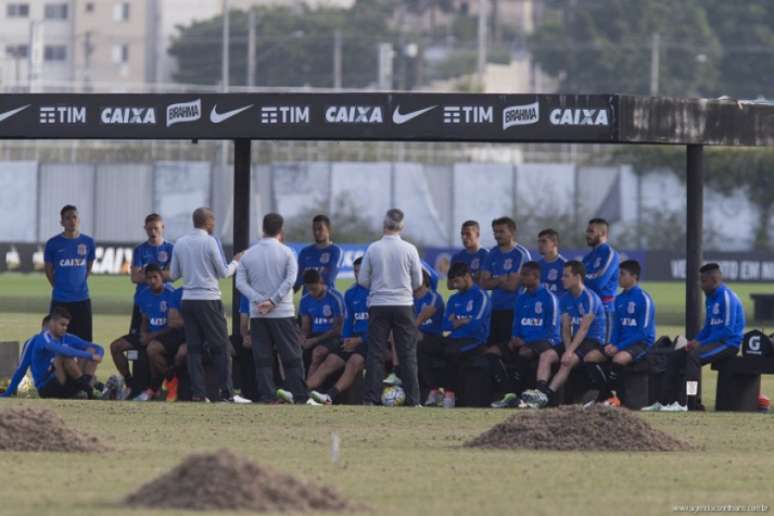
(128, 116)
(184, 112)
(570, 116)
(354, 115)
(527, 114)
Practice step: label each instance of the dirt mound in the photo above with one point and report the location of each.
(224, 481)
(576, 428)
(27, 429)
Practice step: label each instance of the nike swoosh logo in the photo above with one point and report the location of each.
(217, 118)
(9, 114)
(399, 118)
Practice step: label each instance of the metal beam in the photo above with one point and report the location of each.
(694, 185)
(241, 214)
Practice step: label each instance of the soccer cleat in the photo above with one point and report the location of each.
(510, 400)
(239, 400)
(539, 400)
(311, 402)
(172, 389)
(392, 379)
(112, 388)
(529, 396)
(612, 401)
(321, 398)
(434, 398)
(284, 396)
(656, 407)
(674, 407)
(145, 395)
(449, 400)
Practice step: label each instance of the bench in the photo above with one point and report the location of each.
(763, 307)
(739, 382)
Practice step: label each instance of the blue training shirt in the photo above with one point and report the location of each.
(39, 353)
(324, 311)
(244, 305)
(536, 317)
(587, 302)
(356, 319)
(433, 325)
(325, 260)
(155, 306)
(499, 263)
(634, 319)
(145, 254)
(70, 258)
(602, 272)
(724, 318)
(551, 274)
(474, 261)
(475, 304)
(430, 270)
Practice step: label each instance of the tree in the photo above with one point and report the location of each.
(347, 223)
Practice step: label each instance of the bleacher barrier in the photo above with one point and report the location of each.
(739, 378)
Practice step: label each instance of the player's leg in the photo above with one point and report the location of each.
(318, 355)
(567, 363)
(594, 366)
(332, 363)
(429, 356)
(118, 349)
(158, 365)
(71, 378)
(354, 367)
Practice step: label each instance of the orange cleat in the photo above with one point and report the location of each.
(172, 389)
(613, 401)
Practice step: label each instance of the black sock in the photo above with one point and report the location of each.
(333, 392)
(614, 376)
(543, 387)
(84, 382)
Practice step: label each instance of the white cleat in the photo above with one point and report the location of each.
(321, 398)
(313, 403)
(656, 407)
(674, 407)
(239, 400)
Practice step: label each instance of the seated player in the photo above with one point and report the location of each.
(322, 315)
(535, 328)
(719, 338)
(62, 364)
(428, 309)
(161, 334)
(466, 319)
(583, 335)
(352, 353)
(634, 326)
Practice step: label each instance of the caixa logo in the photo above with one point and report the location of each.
(354, 115)
(128, 116)
(573, 116)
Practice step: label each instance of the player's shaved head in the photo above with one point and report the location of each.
(202, 216)
(710, 277)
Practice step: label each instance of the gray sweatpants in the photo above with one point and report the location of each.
(204, 322)
(280, 334)
(400, 321)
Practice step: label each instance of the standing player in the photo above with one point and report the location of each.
(472, 254)
(719, 338)
(583, 335)
(601, 265)
(500, 274)
(551, 262)
(353, 351)
(322, 256)
(535, 328)
(69, 257)
(322, 315)
(428, 308)
(634, 326)
(154, 250)
(63, 365)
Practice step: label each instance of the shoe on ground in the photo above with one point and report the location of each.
(321, 398)
(612, 401)
(674, 407)
(239, 400)
(680, 342)
(434, 398)
(538, 401)
(313, 403)
(172, 389)
(145, 395)
(510, 400)
(112, 387)
(392, 379)
(284, 396)
(529, 396)
(656, 407)
(449, 400)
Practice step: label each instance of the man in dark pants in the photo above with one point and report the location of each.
(718, 339)
(391, 270)
(265, 276)
(69, 257)
(197, 259)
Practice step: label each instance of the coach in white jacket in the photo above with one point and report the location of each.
(265, 276)
(391, 270)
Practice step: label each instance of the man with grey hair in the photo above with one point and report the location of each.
(198, 260)
(391, 270)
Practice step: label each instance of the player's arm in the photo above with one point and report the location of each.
(174, 267)
(333, 266)
(306, 331)
(704, 334)
(426, 313)
(50, 273)
(516, 332)
(137, 275)
(415, 269)
(722, 332)
(334, 332)
(550, 318)
(480, 313)
(488, 282)
(364, 278)
(72, 351)
(583, 330)
(602, 276)
(21, 370)
(512, 281)
(174, 318)
(566, 330)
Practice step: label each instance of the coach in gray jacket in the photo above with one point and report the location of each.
(265, 276)
(391, 270)
(198, 260)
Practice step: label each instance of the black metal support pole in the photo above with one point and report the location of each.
(241, 214)
(694, 185)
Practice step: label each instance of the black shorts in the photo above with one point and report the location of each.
(53, 389)
(540, 347)
(637, 351)
(587, 346)
(330, 344)
(80, 323)
(501, 328)
(172, 340)
(133, 339)
(361, 349)
(136, 322)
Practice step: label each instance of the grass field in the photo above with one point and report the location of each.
(398, 461)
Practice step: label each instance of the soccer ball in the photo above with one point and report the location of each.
(393, 396)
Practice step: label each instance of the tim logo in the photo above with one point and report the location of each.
(62, 115)
(184, 112)
(285, 115)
